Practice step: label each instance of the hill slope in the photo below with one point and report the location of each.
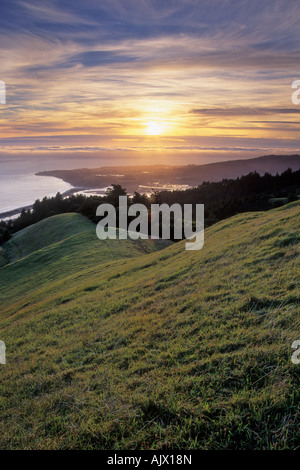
(45, 233)
(171, 349)
(45, 253)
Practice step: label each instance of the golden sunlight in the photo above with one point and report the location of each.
(154, 128)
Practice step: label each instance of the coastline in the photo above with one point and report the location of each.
(18, 210)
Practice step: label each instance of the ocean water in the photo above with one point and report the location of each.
(20, 186)
(22, 190)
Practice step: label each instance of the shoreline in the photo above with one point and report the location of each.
(18, 210)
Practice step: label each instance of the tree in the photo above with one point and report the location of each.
(292, 197)
(4, 235)
(113, 193)
(140, 199)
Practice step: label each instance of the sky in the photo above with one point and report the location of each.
(165, 80)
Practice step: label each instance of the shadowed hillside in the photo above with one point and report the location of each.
(47, 232)
(157, 349)
(60, 246)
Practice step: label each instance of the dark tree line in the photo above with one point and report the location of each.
(221, 199)
(228, 197)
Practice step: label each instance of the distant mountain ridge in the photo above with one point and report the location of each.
(267, 164)
(141, 178)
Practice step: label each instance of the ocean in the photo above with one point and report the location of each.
(22, 190)
(19, 186)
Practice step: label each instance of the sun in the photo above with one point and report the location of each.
(154, 128)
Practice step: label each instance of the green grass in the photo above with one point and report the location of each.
(115, 345)
(55, 248)
(45, 233)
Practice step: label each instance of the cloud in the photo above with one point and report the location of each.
(106, 68)
(48, 12)
(244, 111)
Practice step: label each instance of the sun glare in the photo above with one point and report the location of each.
(154, 128)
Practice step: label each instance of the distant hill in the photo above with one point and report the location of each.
(145, 178)
(115, 345)
(45, 233)
(233, 169)
(64, 240)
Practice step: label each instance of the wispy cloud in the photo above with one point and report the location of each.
(50, 12)
(244, 111)
(200, 67)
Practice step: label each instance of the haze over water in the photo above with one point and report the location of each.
(21, 187)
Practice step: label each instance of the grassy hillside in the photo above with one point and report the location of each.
(44, 254)
(45, 233)
(166, 349)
